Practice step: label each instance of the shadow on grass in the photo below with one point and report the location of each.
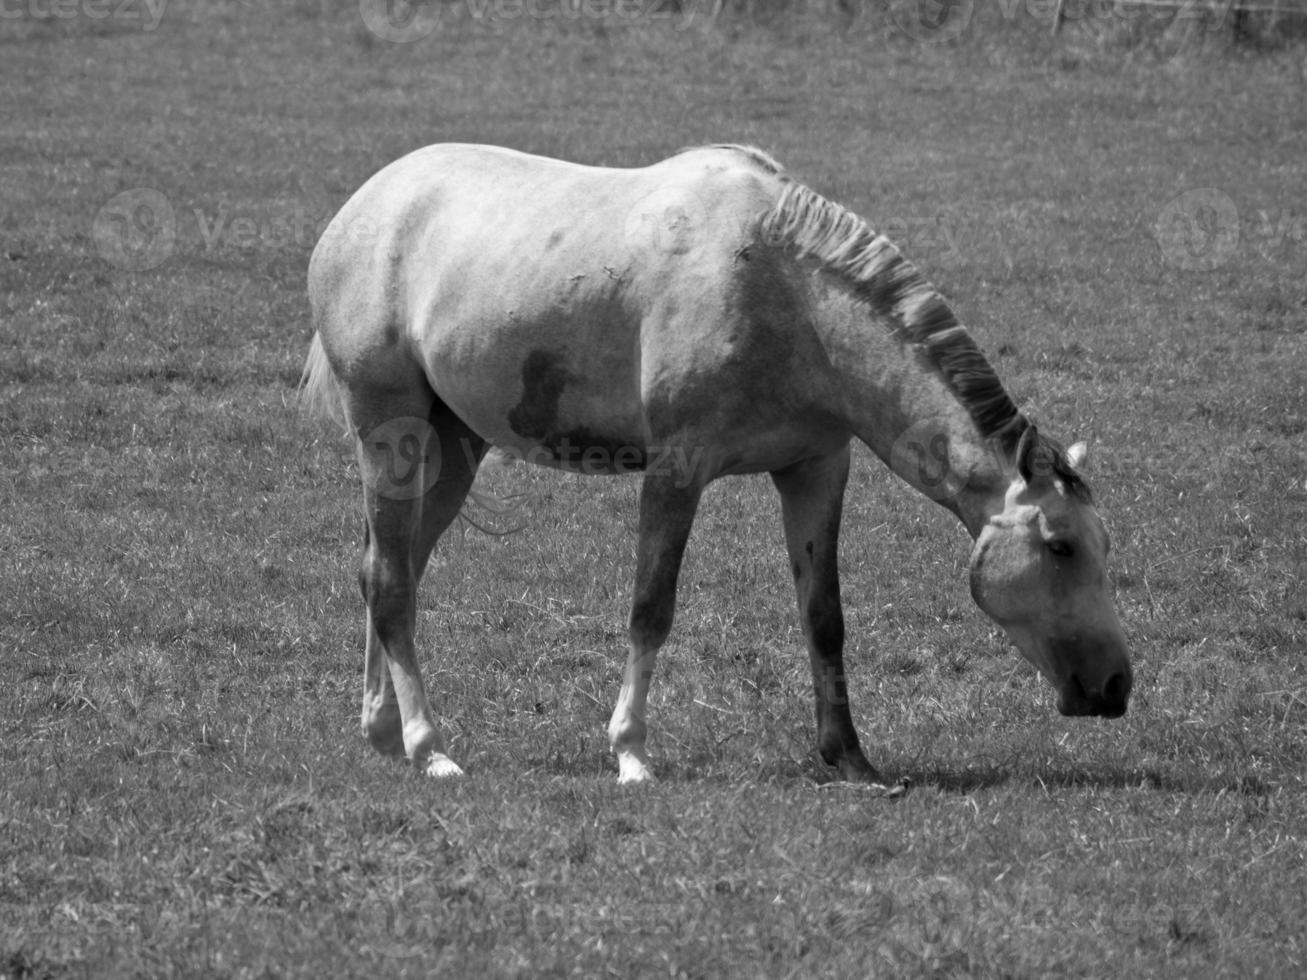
(22, 964)
(705, 768)
(972, 778)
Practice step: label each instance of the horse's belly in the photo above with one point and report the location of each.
(559, 395)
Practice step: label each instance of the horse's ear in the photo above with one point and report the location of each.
(1027, 448)
(1077, 455)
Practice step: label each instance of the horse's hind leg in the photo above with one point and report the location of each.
(812, 498)
(417, 462)
(381, 722)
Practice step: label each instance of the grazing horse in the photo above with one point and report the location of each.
(700, 317)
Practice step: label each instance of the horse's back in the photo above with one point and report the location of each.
(458, 215)
(507, 278)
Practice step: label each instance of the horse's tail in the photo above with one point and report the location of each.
(320, 391)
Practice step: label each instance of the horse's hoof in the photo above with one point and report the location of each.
(441, 767)
(633, 769)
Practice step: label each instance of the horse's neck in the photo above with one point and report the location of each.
(900, 406)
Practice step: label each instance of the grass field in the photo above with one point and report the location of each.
(1119, 213)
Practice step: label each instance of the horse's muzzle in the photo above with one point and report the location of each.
(1107, 701)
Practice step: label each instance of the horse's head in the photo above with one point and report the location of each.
(1038, 569)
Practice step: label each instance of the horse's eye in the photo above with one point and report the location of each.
(1061, 548)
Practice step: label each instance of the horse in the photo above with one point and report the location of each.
(704, 316)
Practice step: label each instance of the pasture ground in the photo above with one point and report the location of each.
(1119, 214)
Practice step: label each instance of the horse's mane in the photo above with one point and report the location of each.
(874, 270)
(759, 157)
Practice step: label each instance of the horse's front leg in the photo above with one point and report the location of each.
(667, 507)
(812, 498)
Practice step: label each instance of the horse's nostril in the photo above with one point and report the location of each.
(1116, 690)
(1079, 688)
